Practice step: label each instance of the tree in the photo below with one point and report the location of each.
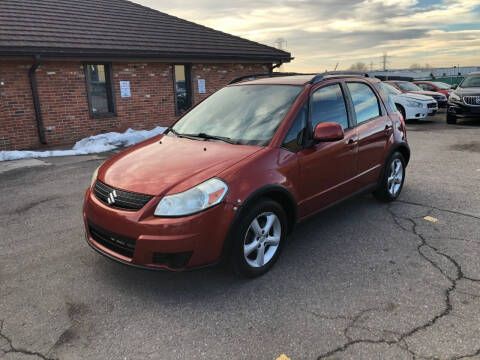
(415, 66)
(359, 66)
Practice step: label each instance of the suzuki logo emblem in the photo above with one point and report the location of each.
(111, 197)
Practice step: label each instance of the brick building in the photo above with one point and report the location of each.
(74, 68)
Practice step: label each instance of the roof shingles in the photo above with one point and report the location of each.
(117, 28)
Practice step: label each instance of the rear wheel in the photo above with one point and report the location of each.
(451, 119)
(258, 238)
(391, 182)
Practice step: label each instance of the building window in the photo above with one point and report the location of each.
(183, 88)
(99, 90)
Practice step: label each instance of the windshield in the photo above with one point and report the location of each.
(407, 86)
(471, 81)
(245, 114)
(390, 89)
(441, 85)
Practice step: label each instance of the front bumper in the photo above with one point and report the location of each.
(459, 109)
(142, 240)
(442, 103)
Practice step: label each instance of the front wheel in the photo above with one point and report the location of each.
(258, 238)
(451, 119)
(391, 182)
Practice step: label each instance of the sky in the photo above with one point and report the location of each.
(321, 33)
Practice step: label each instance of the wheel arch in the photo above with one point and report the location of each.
(276, 192)
(402, 107)
(402, 148)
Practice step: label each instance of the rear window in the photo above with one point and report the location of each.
(365, 101)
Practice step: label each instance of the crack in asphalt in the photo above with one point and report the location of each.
(439, 209)
(401, 340)
(13, 349)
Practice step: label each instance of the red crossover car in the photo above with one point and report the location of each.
(232, 177)
(409, 87)
(435, 86)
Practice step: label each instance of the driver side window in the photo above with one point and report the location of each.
(328, 105)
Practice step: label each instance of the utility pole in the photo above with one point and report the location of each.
(385, 61)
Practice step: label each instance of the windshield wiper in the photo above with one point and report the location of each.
(203, 136)
(188, 136)
(215, 137)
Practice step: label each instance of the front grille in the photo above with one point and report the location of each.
(120, 199)
(472, 100)
(431, 105)
(120, 244)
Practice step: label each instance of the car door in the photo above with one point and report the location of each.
(327, 168)
(374, 130)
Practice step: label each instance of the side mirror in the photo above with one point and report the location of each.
(328, 131)
(454, 86)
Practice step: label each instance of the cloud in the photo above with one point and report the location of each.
(321, 33)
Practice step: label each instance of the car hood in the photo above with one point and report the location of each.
(426, 93)
(415, 96)
(167, 164)
(468, 91)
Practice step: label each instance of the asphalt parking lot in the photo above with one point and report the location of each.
(363, 280)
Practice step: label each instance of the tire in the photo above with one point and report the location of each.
(248, 243)
(451, 119)
(402, 111)
(386, 191)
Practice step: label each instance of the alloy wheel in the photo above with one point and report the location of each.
(262, 239)
(395, 177)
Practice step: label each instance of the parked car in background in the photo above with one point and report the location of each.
(411, 106)
(435, 86)
(409, 87)
(232, 177)
(464, 101)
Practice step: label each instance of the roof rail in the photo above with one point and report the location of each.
(320, 77)
(315, 79)
(273, 74)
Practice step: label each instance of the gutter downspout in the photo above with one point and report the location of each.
(36, 100)
(275, 66)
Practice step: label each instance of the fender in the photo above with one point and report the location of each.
(273, 191)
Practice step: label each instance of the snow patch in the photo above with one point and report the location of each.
(92, 144)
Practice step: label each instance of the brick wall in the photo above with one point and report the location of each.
(63, 99)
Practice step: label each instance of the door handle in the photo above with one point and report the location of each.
(351, 142)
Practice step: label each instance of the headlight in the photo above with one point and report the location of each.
(454, 97)
(414, 104)
(198, 198)
(94, 176)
